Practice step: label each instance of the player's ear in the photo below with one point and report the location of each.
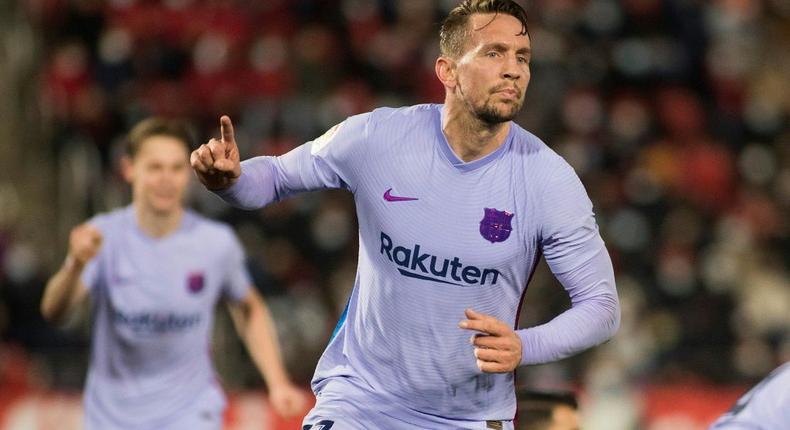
(127, 169)
(446, 71)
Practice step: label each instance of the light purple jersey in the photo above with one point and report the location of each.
(153, 306)
(764, 407)
(437, 236)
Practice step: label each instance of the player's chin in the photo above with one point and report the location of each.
(510, 111)
(511, 106)
(164, 206)
(506, 110)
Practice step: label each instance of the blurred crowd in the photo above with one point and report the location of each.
(674, 113)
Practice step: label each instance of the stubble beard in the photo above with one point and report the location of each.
(490, 115)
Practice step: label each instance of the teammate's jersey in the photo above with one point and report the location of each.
(764, 407)
(153, 302)
(437, 236)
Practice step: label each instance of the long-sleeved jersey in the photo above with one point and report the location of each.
(436, 236)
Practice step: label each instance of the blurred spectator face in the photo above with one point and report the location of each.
(493, 73)
(547, 411)
(559, 417)
(563, 417)
(159, 174)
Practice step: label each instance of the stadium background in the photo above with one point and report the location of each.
(674, 113)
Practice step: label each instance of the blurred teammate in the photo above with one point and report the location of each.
(764, 407)
(456, 204)
(547, 411)
(154, 272)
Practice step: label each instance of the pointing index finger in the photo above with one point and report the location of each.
(226, 126)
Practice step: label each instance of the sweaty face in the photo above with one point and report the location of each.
(493, 73)
(159, 174)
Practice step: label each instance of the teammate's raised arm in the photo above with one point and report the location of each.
(64, 291)
(217, 162)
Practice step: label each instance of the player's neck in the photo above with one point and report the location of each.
(157, 224)
(470, 138)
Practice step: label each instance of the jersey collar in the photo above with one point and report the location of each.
(452, 158)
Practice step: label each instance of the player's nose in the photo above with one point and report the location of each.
(511, 74)
(510, 68)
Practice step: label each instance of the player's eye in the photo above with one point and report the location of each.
(492, 54)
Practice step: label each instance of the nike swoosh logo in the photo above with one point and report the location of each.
(390, 198)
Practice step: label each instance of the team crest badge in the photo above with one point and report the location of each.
(495, 225)
(195, 282)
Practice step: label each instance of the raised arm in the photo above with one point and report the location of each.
(65, 291)
(330, 161)
(217, 162)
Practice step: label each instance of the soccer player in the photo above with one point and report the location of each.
(764, 407)
(154, 272)
(456, 204)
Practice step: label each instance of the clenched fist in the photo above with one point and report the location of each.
(217, 163)
(287, 400)
(84, 243)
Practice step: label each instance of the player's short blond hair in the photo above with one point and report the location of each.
(455, 28)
